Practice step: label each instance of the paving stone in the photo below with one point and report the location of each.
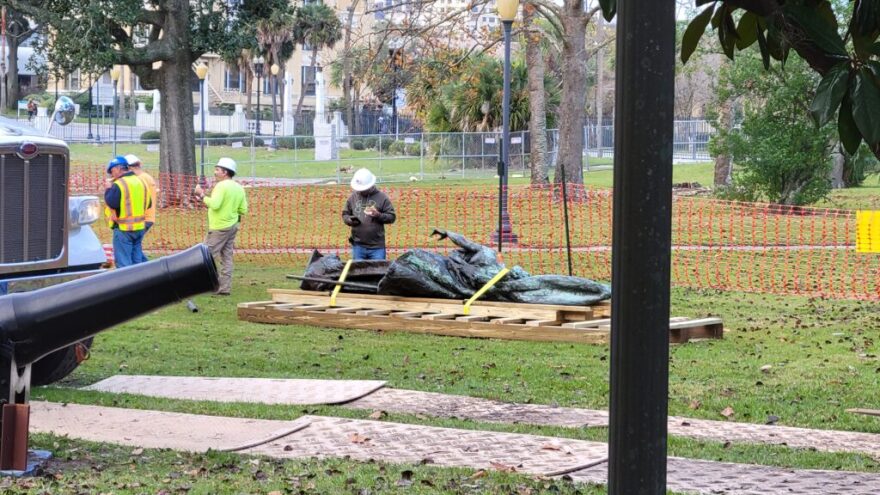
(477, 409)
(707, 477)
(404, 443)
(261, 390)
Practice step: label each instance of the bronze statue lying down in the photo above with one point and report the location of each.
(421, 273)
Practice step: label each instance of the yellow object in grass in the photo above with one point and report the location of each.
(868, 231)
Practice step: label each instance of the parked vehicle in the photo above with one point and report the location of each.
(45, 235)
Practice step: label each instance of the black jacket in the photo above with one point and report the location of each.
(368, 231)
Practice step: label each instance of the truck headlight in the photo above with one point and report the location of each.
(84, 210)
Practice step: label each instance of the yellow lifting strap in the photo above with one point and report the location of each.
(489, 284)
(339, 284)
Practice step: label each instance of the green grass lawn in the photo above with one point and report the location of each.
(822, 356)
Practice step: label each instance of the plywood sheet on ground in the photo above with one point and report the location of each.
(156, 429)
(260, 390)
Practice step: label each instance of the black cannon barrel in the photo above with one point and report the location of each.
(39, 322)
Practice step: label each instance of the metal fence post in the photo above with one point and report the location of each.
(253, 160)
(422, 156)
(462, 154)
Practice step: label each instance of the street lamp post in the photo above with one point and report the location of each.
(258, 69)
(394, 55)
(114, 76)
(202, 71)
(274, 70)
(507, 12)
(91, 86)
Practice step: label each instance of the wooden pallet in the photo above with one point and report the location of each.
(487, 319)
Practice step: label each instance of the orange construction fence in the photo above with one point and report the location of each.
(716, 244)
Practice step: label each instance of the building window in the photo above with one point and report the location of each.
(308, 80)
(233, 79)
(74, 82)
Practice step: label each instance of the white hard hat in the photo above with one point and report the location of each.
(363, 179)
(227, 163)
(132, 160)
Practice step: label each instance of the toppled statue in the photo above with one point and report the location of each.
(421, 273)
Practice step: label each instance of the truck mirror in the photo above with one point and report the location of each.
(64, 111)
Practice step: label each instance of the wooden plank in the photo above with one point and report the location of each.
(507, 321)
(440, 316)
(450, 328)
(471, 318)
(255, 304)
(868, 412)
(427, 305)
(543, 323)
(342, 310)
(586, 324)
(406, 314)
(499, 325)
(374, 312)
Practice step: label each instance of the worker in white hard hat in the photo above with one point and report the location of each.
(367, 211)
(135, 165)
(227, 203)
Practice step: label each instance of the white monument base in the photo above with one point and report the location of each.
(325, 142)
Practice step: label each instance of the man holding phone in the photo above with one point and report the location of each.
(367, 211)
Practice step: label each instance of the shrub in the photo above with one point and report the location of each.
(384, 143)
(357, 144)
(304, 143)
(397, 148)
(150, 136)
(370, 142)
(285, 143)
(413, 149)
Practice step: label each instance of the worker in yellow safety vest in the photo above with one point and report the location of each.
(127, 199)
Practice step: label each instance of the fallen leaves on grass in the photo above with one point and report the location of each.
(377, 414)
(727, 412)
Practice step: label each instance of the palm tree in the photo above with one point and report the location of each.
(274, 37)
(317, 26)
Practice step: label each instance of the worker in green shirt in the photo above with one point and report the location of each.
(226, 204)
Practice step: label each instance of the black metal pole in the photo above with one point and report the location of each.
(202, 111)
(565, 214)
(115, 112)
(505, 230)
(92, 85)
(641, 240)
(259, 83)
(98, 126)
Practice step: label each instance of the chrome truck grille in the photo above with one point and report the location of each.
(33, 207)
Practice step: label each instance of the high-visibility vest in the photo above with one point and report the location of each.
(132, 205)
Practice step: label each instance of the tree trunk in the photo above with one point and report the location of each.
(346, 71)
(13, 89)
(574, 79)
(177, 155)
(537, 99)
(600, 90)
(723, 168)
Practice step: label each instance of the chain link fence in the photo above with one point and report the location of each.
(393, 158)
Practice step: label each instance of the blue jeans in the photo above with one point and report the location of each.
(359, 252)
(127, 248)
(143, 258)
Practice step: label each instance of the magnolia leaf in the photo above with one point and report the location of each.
(875, 48)
(609, 8)
(830, 93)
(865, 96)
(847, 129)
(818, 28)
(694, 32)
(747, 29)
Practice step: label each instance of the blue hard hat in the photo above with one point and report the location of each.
(117, 161)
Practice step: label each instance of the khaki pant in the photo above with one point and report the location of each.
(222, 243)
